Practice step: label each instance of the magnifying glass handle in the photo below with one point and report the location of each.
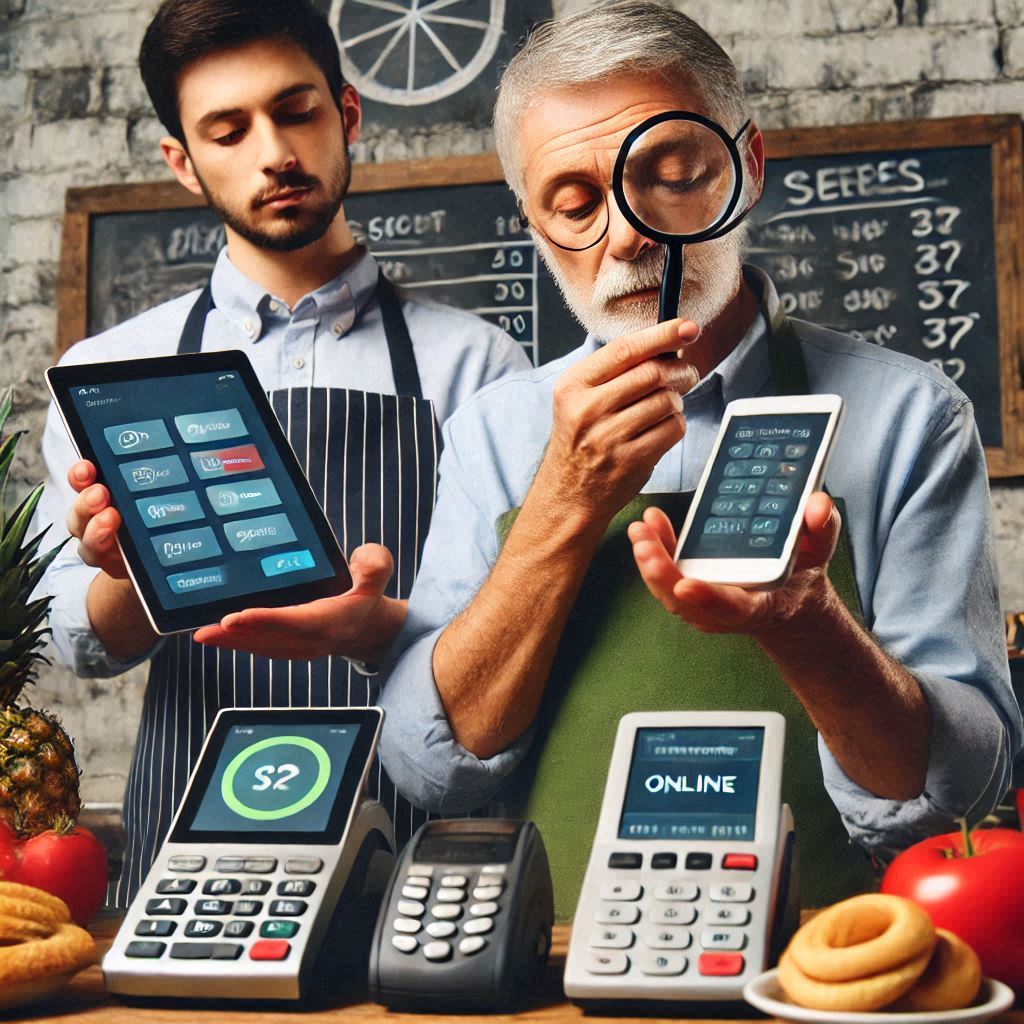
(671, 285)
(671, 282)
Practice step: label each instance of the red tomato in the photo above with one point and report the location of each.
(979, 897)
(71, 865)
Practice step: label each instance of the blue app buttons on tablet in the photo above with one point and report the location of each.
(168, 509)
(151, 474)
(198, 579)
(198, 427)
(264, 532)
(287, 561)
(228, 499)
(186, 546)
(143, 436)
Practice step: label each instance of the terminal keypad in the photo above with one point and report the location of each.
(644, 923)
(223, 906)
(445, 914)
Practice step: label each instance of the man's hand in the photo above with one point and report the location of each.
(717, 608)
(359, 624)
(95, 522)
(615, 414)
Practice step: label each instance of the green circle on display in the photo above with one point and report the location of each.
(227, 785)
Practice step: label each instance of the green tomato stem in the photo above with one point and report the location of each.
(966, 833)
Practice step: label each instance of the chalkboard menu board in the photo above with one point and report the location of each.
(904, 234)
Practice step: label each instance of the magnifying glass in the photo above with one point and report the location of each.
(677, 179)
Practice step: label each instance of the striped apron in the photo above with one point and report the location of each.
(371, 460)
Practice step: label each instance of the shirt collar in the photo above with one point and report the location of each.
(339, 302)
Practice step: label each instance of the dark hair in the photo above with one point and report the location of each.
(183, 31)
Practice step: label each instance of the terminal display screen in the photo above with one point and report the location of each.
(693, 783)
(278, 776)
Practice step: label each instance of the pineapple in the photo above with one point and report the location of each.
(38, 774)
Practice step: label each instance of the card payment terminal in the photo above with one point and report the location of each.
(689, 887)
(466, 923)
(271, 840)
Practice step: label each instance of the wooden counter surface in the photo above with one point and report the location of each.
(86, 1000)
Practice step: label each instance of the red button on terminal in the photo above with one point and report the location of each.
(269, 949)
(740, 862)
(722, 965)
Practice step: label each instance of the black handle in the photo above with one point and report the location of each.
(671, 282)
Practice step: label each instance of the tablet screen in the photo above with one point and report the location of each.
(217, 512)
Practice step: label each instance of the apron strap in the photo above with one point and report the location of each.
(191, 340)
(789, 370)
(403, 360)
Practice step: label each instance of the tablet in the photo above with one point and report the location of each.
(217, 514)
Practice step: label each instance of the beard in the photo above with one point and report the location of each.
(293, 227)
(711, 277)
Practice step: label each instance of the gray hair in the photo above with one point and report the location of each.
(624, 36)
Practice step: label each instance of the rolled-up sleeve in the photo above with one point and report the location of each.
(68, 578)
(935, 608)
(417, 747)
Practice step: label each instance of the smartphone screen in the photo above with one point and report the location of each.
(753, 490)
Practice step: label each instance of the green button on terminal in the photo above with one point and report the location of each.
(278, 929)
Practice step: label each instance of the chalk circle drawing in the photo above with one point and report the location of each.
(411, 52)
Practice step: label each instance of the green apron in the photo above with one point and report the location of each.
(622, 652)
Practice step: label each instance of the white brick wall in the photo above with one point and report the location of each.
(73, 112)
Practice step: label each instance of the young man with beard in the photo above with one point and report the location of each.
(529, 636)
(259, 121)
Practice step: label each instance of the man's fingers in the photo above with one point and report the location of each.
(822, 525)
(371, 566)
(81, 474)
(85, 506)
(662, 527)
(655, 563)
(627, 351)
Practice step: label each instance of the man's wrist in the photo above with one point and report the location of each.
(798, 628)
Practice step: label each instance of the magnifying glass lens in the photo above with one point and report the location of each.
(679, 178)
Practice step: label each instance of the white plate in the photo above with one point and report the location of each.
(766, 994)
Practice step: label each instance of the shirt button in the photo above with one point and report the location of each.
(274, 306)
(249, 329)
(337, 329)
(298, 362)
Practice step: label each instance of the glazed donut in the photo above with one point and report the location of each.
(858, 995)
(951, 980)
(863, 936)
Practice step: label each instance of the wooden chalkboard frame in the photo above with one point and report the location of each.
(1002, 133)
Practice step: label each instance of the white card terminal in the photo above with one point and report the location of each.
(690, 868)
(272, 839)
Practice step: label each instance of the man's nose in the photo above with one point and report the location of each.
(624, 241)
(276, 153)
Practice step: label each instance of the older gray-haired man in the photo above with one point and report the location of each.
(529, 635)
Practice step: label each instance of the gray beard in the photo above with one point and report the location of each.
(712, 275)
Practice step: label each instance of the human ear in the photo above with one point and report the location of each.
(176, 155)
(351, 114)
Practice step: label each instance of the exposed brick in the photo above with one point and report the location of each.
(1013, 52)
(1009, 12)
(61, 94)
(73, 42)
(41, 195)
(87, 144)
(13, 96)
(37, 239)
(31, 282)
(123, 92)
(959, 12)
(954, 100)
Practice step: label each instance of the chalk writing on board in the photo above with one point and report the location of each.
(895, 249)
(409, 52)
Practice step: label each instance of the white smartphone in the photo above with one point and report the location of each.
(744, 522)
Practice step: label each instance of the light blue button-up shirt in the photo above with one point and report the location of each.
(908, 463)
(332, 338)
